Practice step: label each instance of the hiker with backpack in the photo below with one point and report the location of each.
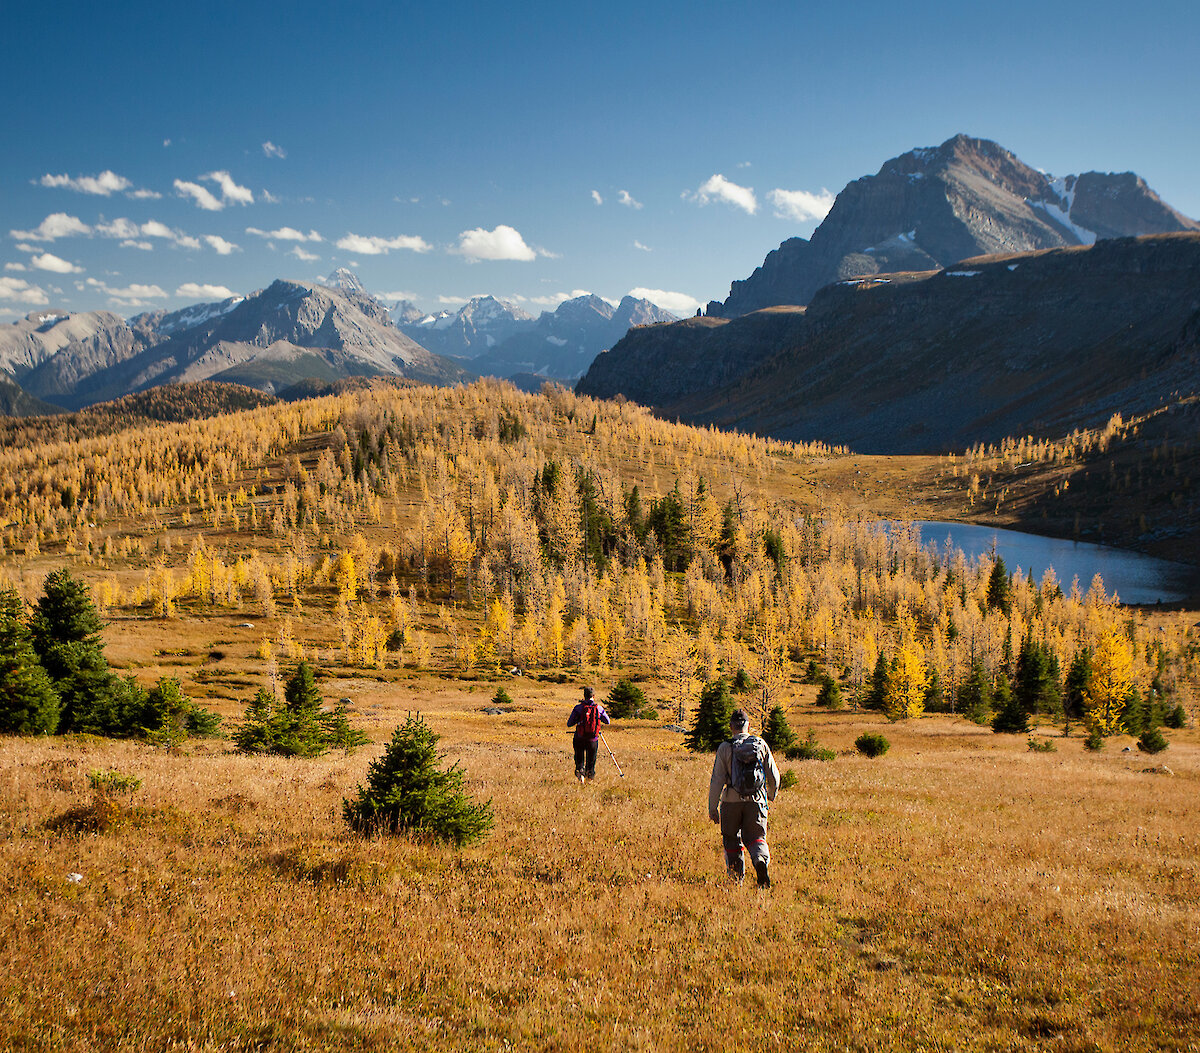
(744, 779)
(586, 719)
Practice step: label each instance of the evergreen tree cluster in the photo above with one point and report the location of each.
(54, 678)
(298, 727)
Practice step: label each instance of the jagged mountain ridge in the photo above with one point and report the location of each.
(267, 340)
(1036, 343)
(933, 206)
(562, 343)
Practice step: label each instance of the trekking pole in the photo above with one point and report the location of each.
(611, 754)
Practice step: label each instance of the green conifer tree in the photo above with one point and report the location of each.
(975, 694)
(710, 726)
(876, 696)
(29, 704)
(830, 694)
(406, 791)
(1010, 718)
(777, 732)
(625, 700)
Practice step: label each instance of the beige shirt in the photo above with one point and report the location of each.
(718, 786)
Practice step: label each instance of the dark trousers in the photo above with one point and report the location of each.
(744, 823)
(585, 757)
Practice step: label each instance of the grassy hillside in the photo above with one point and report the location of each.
(962, 891)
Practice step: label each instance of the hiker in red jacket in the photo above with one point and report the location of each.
(586, 719)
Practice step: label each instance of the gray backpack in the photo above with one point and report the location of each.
(748, 776)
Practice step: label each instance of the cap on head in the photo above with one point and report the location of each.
(588, 692)
(738, 719)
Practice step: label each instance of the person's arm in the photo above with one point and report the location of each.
(772, 774)
(720, 776)
(573, 719)
(603, 714)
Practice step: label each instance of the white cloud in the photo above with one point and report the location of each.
(130, 243)
(562, 297)
(57, 225)
(675, 302)
(454, 301)
(21, 291)
(207, 200)
(144, 195)
(503, 243)
(131, 295)
(104, 184)
(300, 254)
(223, 247)
(15, 267)
(118, 228)
(398, 295)
(47, 261)
(801, 205)
(644, 248)
(269, 149)
(203, 196)
(597, 198)
(627, 199)
(269, 198)
(718, 188)
(230, 191)
(285, 234)
(374, 246)
(192, 291)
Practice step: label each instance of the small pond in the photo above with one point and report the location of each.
(1134, 577)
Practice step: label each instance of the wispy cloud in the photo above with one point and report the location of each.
(20, 291)
(269, 149)
(104, 184)
(675, 302)
(15, 267)
(644, 248)
(203, 197)
(801, 205)
(231, 192)
(718, 188)
(375, 246)
(131, 295)
(223, 247)
(597, 198)
(300, 254)
(47, 261)
(57, 225)
(193, 291)
(627, 199)
(503, 243)
(285, 234)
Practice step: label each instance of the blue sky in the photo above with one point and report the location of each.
(156, 155)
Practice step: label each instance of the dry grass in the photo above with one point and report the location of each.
(960, 892)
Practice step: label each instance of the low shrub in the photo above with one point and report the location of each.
(787, 780)
(1152, 741)
(1176, 718)
(501, 698)
(809, 749)
(1094, 741)
(872, 744)
(1042, 746)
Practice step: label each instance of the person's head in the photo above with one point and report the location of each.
(587, 694)
(738, 721)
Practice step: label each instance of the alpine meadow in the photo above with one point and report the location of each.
(988, 835)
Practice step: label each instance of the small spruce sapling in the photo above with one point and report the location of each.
(778, 732)
(711, 724)
(406, 791)
(625, 700)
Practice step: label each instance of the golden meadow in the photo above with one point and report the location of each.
(962, 891)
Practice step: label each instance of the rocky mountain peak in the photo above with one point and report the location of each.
(346, 280)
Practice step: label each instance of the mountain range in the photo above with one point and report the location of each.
(498, 338)
(933, 206)
(958, 296)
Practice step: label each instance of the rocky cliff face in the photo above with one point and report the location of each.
(1035, 343)
(933, 206)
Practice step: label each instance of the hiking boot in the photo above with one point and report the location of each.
(764, 875)
(579, 776)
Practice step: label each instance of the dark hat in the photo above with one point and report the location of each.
(738, 719)
(588, 692)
